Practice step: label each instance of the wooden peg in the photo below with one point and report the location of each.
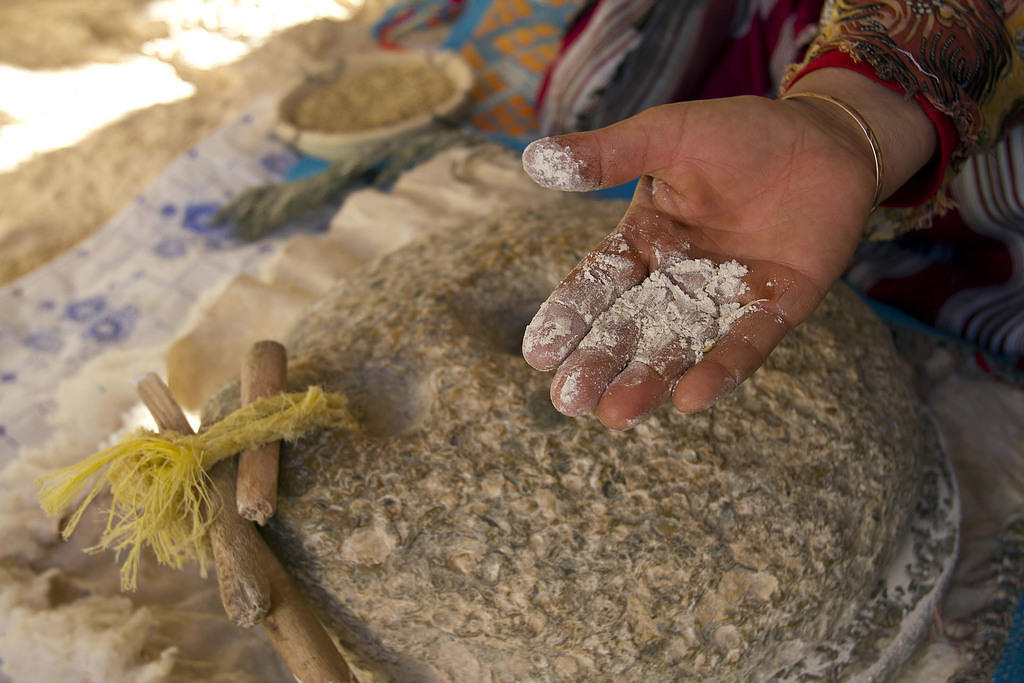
(264, 370)
(254, 581)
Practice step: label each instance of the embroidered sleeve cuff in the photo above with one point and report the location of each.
(927, 182)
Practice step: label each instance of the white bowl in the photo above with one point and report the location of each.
(333, 146)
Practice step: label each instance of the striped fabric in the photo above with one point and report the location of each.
(590, 60)
(624, 56)
(509, 44)
(990, 194)
(965, 275)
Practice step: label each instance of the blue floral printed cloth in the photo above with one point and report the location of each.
(131, 284)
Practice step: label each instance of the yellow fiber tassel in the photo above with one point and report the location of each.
(161, 491)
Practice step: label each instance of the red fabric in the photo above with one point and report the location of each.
(959, 259)
(735, 50)
(927, 181)
(721, 65)
(384, 37)
(413, 17)
(743, 64)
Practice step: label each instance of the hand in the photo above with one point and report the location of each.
(783, 187)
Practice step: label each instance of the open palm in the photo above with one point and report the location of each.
(770, 184)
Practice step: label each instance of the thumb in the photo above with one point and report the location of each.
(606, 157)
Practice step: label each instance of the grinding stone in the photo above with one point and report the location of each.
(802, 527)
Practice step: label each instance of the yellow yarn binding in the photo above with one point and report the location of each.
(161, 491)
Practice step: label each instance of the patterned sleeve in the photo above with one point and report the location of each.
(961, 57)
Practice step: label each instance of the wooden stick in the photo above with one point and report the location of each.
(264, 370)
(243, 580)
(297, 635)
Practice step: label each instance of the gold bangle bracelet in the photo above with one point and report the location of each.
(876, 151)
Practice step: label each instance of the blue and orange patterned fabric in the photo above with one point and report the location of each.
(509, 43)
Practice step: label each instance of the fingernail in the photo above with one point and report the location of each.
(553, 165)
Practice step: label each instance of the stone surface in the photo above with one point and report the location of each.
(473, 533)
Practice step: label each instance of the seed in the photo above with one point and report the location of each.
(373, 97)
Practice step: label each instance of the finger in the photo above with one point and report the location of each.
(592, 286)
(637, 391)
(670, 344)
(642, 242)
(584, 376)
(631, 396)
(732, 359)
(661, 328)
(700, 302)
(656, 238)
(606, 349)
(605, 157)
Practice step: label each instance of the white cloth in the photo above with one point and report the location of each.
(131, 284)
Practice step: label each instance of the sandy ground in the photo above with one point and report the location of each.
(57, 198)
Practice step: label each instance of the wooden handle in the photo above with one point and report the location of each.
(161, 404)
(299, 638)
(242, 573)
(264, 370)
(241, 576)
(297, 635)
